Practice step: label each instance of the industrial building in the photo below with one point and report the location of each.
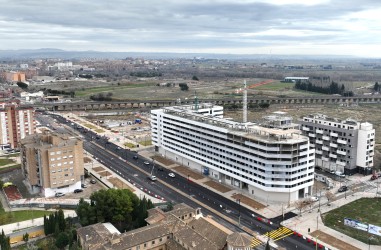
(15, 123)
(52, 162)
(272, 161)
(345, 146)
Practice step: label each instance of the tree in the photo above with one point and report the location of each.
(330, 197)
(62, 240)
(376, 87)
(22, 85)
(300, 205)
(195, 78)
(25, 237)
(183, 86)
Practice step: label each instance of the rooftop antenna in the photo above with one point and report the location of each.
(195, 101)
(244, 106)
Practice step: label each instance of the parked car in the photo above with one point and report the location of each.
(340, 174)
(78, 190)
(83, 185)
(342, 189)
(172, 175)
(59, 194)
(93, 181)
(135, 157)
(314, 198)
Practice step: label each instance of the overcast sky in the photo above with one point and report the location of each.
(321, 27)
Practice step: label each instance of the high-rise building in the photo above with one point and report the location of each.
(15, 123)
(345, 146)
(15, 76)
(52, 162)
(272, 161)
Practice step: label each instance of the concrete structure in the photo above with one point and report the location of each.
(31, 97)
(14, 77)
(345, 146)
(15, 123)
(182, 228)
(52, 162)
(272, 161)
(295, 79)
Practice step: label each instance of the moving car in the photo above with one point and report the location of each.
(59, 194)
(342, 189)
(146, 163)
(78, 190)
(135, 157)
(171, 175)
(152, 178)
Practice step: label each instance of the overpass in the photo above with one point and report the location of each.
(128, 104)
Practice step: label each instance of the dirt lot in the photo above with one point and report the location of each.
(119, 184)
(217, 186)
(163, 160)
(248, 201)
(186, 171)
(339, 244)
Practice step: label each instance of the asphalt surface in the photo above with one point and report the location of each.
(135, 171)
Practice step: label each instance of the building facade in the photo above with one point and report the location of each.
(345, 146)
(14, 76)
(52, 162)
(15, 123)
(273, 162)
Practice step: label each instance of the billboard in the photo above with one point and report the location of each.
(355, 224)
(373, 229)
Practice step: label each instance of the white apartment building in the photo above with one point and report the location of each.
(274, 163)
(346, 146)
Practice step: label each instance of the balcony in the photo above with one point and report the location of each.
(341, 152)
(340, 163)
(341, 141)
(326, 138)
(312, 135)
(325, 159)
(325, 148)
(333, 145)
(312, 145)
(319, 131)
(334, 134)
(319, 142)
(319, 152)
(333, 156)
(305, 128)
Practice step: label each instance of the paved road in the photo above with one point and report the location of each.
(137, 172)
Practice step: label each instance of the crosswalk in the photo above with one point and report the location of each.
(275, 235)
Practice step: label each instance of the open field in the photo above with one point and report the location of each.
(276, 85)
(17, 216)
(5, 161)
(365, 210)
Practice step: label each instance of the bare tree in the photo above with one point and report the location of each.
(330, 196)
(300, 205)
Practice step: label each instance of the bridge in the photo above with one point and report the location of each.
(127, 104)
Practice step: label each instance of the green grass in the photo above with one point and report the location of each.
(10, 167)
(113, 88)
(146, 143)
(276, 86)
(130, 145)
(5, 161)
(17, 216)
(365, 210)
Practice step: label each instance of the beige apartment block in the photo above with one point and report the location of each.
(15, 76)
(15, 123)
(52, 162)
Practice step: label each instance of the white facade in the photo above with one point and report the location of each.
(273, 164)
(340, 145)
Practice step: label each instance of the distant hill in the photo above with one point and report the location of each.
(6, 55)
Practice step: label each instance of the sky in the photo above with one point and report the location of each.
(286, 27)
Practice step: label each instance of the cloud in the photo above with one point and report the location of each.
(218, 26)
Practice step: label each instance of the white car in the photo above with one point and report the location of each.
(171, 175)
(146, 163)
(314, 198)
(59, 194)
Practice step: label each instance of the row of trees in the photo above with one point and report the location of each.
(253, 106)
(59, 92)
(61, 229)
(120, 207)
(4, 241)
(377, 87)
(183, 86)
(102, 97)
(333, 88)
(146, 74)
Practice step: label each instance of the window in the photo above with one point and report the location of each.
(153, 242)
